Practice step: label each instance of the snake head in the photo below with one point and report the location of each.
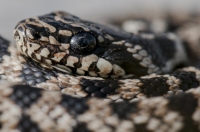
(73, 45)
(67, 43)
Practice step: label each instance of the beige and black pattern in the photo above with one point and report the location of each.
(100, 79)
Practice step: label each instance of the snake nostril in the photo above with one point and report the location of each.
(16, 35)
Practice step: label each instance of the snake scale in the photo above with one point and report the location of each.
(73, 75)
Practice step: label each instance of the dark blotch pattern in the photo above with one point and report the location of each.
(185, 104)
(188, 79)
(74, 106)
(124, 109)
(27, 125)
(25, 96)
(99, 88)
(33, 74)
(81, 127)
(141, 128)
(154, 86)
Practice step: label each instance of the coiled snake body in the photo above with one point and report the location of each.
(106, 77)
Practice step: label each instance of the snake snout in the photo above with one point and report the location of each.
(16, 35)
(19, 36)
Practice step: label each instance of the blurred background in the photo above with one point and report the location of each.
(102, 11)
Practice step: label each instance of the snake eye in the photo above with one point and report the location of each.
(83, 43)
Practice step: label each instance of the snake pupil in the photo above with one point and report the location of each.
(83, 42)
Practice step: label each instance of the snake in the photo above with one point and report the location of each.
(66, 74)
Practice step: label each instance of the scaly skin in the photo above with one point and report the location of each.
(124, 104)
